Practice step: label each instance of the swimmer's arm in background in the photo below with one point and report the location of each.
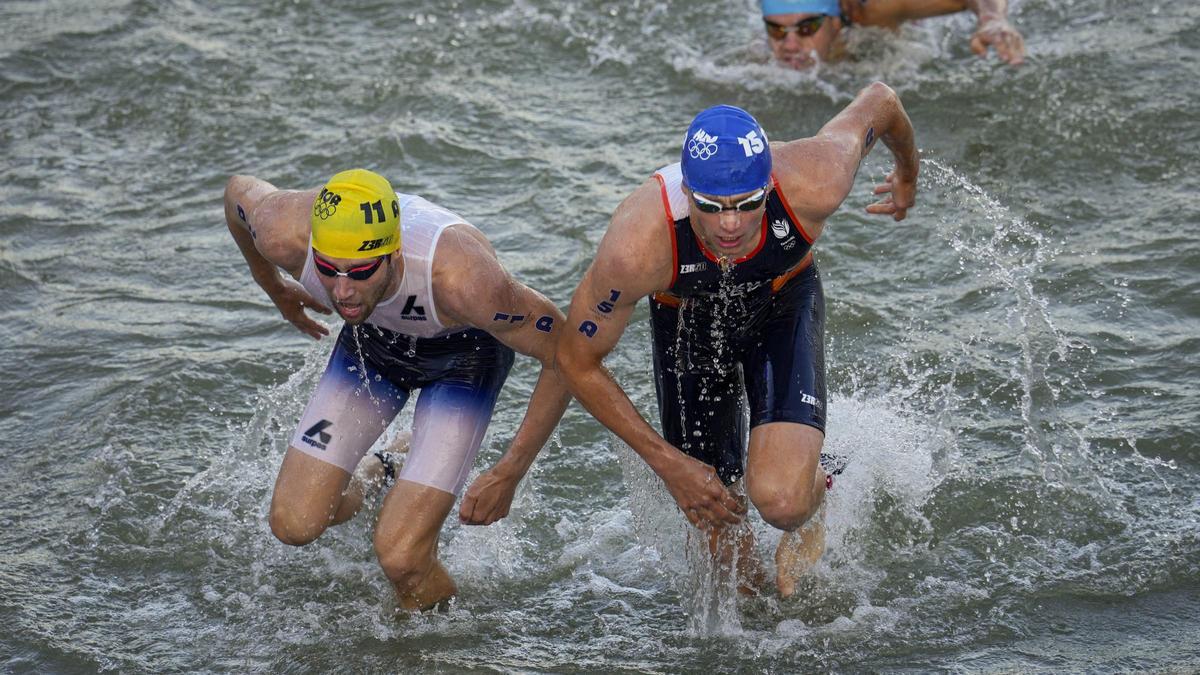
(994, 30)
(473, 288)
(270, 227)
(634, 260)
(818, 172)
(892, 13)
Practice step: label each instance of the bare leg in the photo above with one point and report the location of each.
(735, 544)
(797, 552)
(730, 544)
(406, 542)
(307, 498)
(787, 486)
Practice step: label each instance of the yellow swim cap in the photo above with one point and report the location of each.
(356, 215)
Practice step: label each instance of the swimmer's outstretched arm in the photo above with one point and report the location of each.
(633, 261)
(996, 32)
(474, 288)
(270, 227)
(818, 172)
(993, 29)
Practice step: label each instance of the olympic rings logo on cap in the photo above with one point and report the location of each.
(701, 151)
(701, 145)
(326, 205)
(324, 211)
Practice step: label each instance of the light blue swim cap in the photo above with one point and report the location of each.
(826, 7)
(725, 152)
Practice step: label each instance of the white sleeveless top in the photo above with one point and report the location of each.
(411, 310)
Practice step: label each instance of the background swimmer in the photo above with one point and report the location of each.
(803, 32)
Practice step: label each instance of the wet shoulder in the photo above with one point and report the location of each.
(465, 271)
(280, 225)
(638, 248)
(811, 177)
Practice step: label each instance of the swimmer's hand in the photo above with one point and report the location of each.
(489, 498)
(999, 34)
(901, 195)
(701, 495)
(291, 298)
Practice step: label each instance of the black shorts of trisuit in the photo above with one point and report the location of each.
(469, 358)
(709, 352)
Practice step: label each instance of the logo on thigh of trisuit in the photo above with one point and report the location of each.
(317, 431)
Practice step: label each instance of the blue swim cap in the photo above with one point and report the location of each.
(826, 7)
(725, 152)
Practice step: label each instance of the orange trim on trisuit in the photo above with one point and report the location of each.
(662, 186)
(671, 300)
(778, 282)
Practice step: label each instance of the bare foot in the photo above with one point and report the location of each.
(797, 553)
(368, 476)
(400, 445)
(373, 470)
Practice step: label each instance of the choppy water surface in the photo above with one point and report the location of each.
(1013, 368)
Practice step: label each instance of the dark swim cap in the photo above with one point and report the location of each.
(725, 152)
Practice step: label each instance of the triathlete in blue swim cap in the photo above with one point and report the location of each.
(722, 244)
(725, 152)
(803, 32)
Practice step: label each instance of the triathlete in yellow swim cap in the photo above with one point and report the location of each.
(438, 314)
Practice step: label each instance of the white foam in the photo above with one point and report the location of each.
(890, 455)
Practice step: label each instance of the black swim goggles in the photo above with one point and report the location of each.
(748, 204)
(357, 273)
(802, 28)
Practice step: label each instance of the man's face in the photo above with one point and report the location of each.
(800, 40)
(356, 285)
(733, 231)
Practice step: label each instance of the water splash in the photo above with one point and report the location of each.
(1003, 260)
(1052, 493)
